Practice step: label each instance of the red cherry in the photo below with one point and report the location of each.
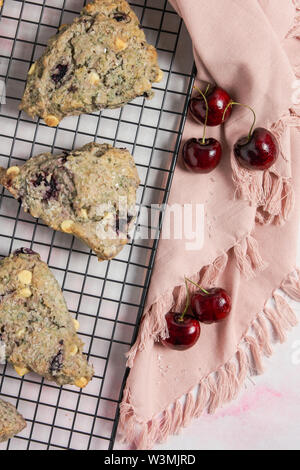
(202, 156)
(211, 307)
(218, 100)
(184, 331)
(259, 152)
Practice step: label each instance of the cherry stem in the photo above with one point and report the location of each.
(187, 300)
(207, 88)
(233, 103)
(206, 113)
(197, 285)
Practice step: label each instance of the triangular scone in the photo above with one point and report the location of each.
(11, 422)
(85, 192)
(102, 60)
(35, 326)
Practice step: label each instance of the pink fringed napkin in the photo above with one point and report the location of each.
(250, 48)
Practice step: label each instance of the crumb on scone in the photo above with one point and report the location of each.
(11, 422)
(101, 60)
(89, 192)
(35, 326)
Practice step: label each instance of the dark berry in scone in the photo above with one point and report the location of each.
(101, 60)
(11, 422)
(35, 326)
(90, 193)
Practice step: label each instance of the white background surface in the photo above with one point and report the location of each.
(267, 414)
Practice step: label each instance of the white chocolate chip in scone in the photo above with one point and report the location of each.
(90, 7)
(34, 212)
(94, 78)
(25, 277)
(81, 383)
(76, 324)
(32, 69)
(25, 293)
(159, 77)
(21, 333)
(51, 120)
(73, 350)
(120, 45)
(67, 226)
(21, 371)
(83, 214)
(13, 171)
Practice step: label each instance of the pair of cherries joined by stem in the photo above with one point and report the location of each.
(208, 306)
(257, 151)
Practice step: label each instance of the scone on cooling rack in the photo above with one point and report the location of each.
(101, 60)
(35, 326)
(11, 422)
(90, 193)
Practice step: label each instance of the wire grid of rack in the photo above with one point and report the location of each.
(107, 298)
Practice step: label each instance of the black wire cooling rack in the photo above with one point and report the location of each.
(107, 298)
